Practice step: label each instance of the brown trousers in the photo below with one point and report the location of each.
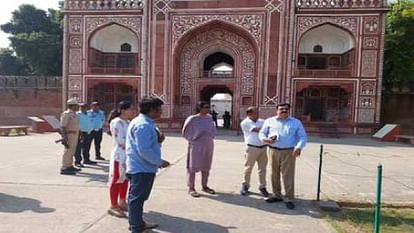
(283, 161)
(69, 153)
(254, 155)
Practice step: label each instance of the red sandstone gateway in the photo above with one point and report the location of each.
(322, 56)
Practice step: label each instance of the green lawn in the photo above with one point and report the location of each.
(353, 220)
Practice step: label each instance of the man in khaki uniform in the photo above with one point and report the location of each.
(70, 132)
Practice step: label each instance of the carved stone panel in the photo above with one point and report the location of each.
(368, 88)
(266, 112)
(371, 25)
(307, 22)
(133, 23)
(369, 63)
(366, 116)
(165, 111)
(75, 25)
(370, 43)
(75, 41)
(75, 61)
(75, 83)
(182, 24)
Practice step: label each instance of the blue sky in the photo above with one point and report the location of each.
(6, 10)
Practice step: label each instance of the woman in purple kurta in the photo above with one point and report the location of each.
(199, 130)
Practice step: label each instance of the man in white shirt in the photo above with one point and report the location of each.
(256, 151)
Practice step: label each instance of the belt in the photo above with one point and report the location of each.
(72, 132)
(256, 146)
(277, 148)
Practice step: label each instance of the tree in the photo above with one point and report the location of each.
(10, 64)
(399, 46)
(36, 38)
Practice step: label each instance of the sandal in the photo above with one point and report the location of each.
(194, 193)
(123, 208)
(117, 212)
(209, 190)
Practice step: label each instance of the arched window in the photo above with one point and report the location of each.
(125, 47)
(317, 49)
(218, 65)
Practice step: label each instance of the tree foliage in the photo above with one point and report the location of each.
(399, 45)
(36, 38)
(10, 64)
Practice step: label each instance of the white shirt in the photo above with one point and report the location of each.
(118, 129)
(250, 137)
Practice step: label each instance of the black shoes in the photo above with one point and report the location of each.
(273, 199)
(244, 191)
(99, 158)
(67, 171)
(290, 205)
(264, 192)
(90, 162)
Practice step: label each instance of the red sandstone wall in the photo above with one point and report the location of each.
(23, 96)
(16, 105)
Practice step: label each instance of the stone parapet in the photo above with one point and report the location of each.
(104, 5)
(332, 4)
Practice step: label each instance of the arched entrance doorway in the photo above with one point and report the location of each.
(220, 98)
(110, 93)
(212, 57)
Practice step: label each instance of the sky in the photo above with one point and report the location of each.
(6, 10)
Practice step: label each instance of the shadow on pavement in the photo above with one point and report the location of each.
(172, 224)
(93, 177)
(303, 207)
(14, 204)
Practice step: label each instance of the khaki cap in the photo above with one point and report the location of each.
(72, 101)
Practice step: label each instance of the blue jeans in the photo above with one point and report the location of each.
(82, 147)
(140, 185)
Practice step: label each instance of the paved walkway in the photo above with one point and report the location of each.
(34, 198)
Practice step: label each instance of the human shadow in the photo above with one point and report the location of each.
(14, 204)
(93, 177)
(173, 224)
(303, 207)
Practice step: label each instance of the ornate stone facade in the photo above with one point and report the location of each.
(182, 24)
(174, 38)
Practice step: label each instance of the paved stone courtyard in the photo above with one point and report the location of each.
(35, 198)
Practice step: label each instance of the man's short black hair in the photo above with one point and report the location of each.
(251, 109)
(201, 104)
(283, 105)
(149, 103)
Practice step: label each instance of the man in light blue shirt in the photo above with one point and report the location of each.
(143, 151)
(286, 138)
(85, 129)
(97, 117)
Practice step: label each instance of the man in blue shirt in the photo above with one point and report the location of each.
(143, 151)
(286, 138)
(97, 117)
(85, 129)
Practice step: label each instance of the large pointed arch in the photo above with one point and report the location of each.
(193, 47)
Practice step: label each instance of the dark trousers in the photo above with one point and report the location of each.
(96, 137)
(82, 148)
(139, 190)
